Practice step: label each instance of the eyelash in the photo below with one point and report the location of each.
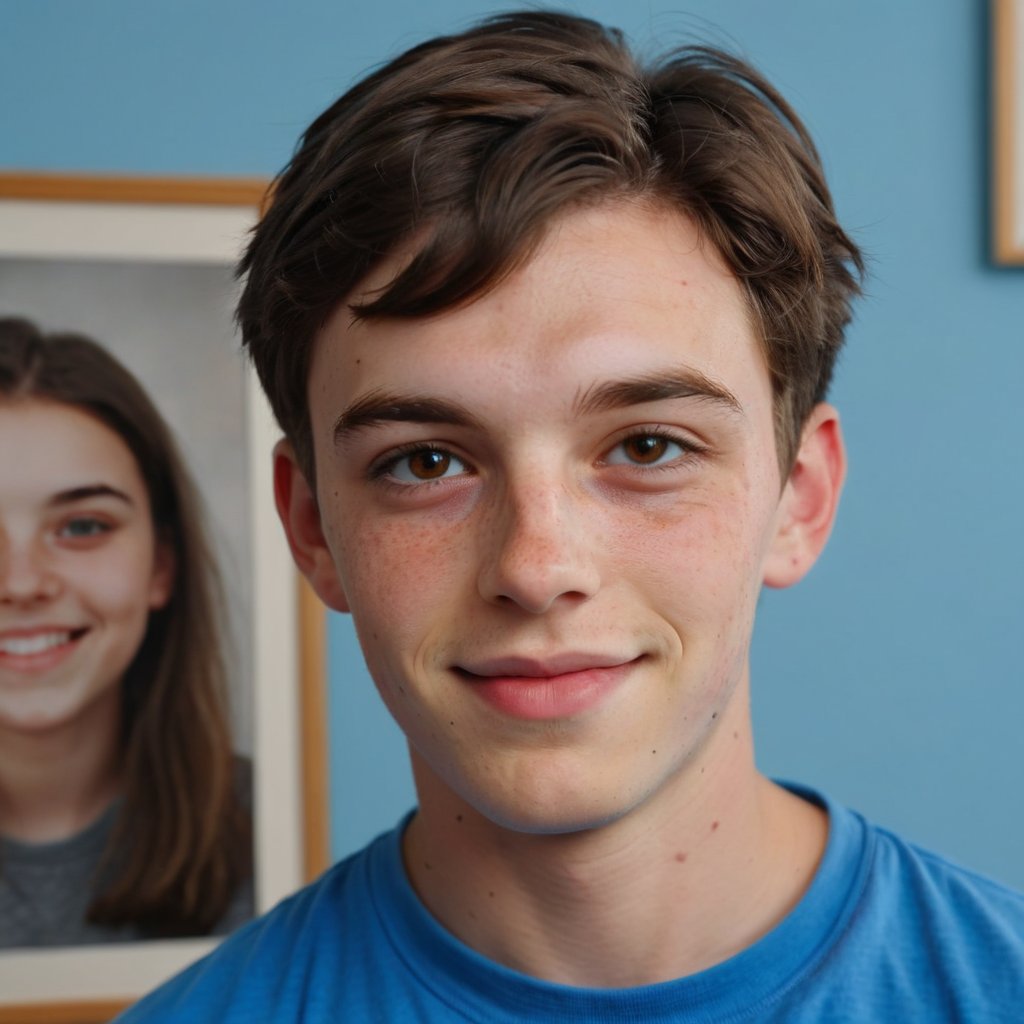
(689, 448)
(98, 528)
(383, 469)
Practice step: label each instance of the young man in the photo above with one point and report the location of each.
(549, 336)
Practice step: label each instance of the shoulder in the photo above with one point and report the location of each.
(278, 966)
(927, 932)
(960, 907)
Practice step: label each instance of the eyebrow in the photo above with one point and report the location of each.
(387, 407)
(680, 382)
(381, 406)
(73, 494)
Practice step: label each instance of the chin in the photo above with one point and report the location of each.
(559, 823)
(557, 790)
(551, 806)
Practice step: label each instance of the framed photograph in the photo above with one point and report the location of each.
(146, 267)
(1008, 130)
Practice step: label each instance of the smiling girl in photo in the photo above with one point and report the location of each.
(124, 813)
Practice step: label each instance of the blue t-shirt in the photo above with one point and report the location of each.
(885, 933)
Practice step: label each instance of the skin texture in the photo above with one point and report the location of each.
(80, 565)
(553, 517)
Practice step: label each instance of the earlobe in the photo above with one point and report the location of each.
(300, 516)
(810, 499)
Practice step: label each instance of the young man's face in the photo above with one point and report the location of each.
(550, 513)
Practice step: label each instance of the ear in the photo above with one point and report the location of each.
(161, 581)
(807, 508)
(300, 515)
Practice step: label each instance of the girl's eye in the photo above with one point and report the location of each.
(645, 450)
(82, 527)
(423, 465)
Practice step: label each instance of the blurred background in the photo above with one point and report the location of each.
(891, 678)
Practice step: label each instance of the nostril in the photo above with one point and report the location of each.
(20, 581)
(535, 554)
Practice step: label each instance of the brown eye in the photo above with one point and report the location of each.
(645, 448)
(429, 464)
(423, 466)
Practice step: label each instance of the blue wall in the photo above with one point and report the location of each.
(892, 677)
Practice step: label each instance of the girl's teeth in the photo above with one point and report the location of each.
(33, 644)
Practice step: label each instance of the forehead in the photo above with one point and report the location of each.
(612, 291)
(49, 446)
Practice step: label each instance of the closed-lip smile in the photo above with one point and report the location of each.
(562, 686)
(542, 668)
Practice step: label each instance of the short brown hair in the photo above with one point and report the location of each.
(475, 142)
(181, 846)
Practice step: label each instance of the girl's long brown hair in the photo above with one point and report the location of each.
(182, 843)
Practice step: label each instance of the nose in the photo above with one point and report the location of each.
(25, 576)
(537, 549)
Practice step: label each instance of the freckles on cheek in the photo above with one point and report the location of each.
(393, 568)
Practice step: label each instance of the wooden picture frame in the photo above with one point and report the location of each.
(83, 227)
(1008, 131)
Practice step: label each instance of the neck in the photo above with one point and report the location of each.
(55, 782)
(703, 869)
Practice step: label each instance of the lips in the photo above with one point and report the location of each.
(563, 686)
(37, 648)
(36, 644)
(543, 668)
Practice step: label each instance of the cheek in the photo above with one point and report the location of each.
(698, 535)
(401, 577)
(118, 587)
(699, 559)
(390, 562)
